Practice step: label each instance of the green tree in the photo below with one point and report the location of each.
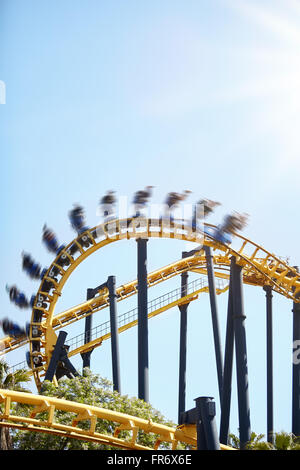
(10, 381)
(282, 441)
(96, 391)
(286, 441)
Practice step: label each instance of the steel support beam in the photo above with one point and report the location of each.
(182, 345)
(241, 356)
(142, 286)
(86, 356)
(228, 364)
(203, 416)
(269, 343)
(214, 317)
(111, 284)
(207, 435)
(58, 348)
(60, 360)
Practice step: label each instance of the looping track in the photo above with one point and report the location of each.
(260, 267)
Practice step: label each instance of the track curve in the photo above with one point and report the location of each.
(260, 267)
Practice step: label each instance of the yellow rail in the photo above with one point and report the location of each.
(89, 307)
(82, 412)
(130, 324)
(77, 345)
(260, 267)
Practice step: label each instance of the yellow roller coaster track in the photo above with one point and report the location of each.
(259, 268)
(89, 307)
(79, 413)
(127, 320)
(130, 319)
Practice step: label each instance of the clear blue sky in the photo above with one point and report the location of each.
(177, 94)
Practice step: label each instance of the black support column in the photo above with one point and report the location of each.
(111, 284)
(269, 339)
(143, 358)
(241, 356)
(183, 344)
(204, 417)
(86, 356)
(214, 317)
(57, 352)
(228, 364)
(207, 435)
(60, 364)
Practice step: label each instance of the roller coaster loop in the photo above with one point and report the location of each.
(254, 266)
(259, 267)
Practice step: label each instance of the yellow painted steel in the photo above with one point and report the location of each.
(129, 324)
(260, 267)
(123, 292)
(98, 341)
(83, 412)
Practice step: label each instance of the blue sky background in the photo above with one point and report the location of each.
(177, 94)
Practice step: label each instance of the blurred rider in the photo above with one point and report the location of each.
(13, 329)
(140, 199)
(107, 203)
(17, 297)
(172, 201)
(77, 219)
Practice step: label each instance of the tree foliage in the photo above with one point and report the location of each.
(95, 391)
(282, 441)
(10, 381)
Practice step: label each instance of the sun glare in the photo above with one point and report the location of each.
(275, 79)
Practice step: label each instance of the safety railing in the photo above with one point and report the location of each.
(132, 315)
